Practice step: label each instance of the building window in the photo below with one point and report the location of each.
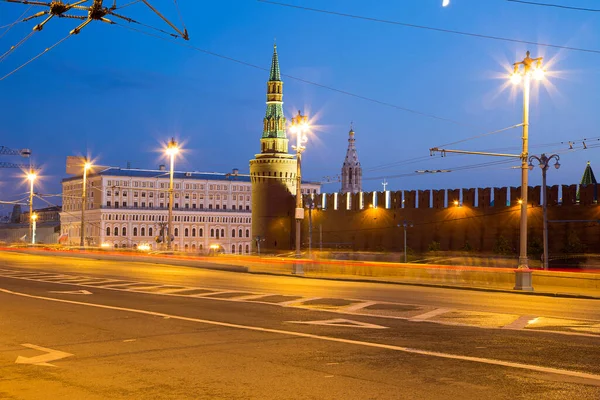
(135, 204)
(212, 233)
(186, 232)
(247, 233)
(108, 193)
(240, 249)
(201, 232)
(116, 231)
(108, 203)
(210, 206)
(240, 233)
(176, 232)
(233, 249)
(247, 249)
(247, 208)
(149, 231)
(240, 207)
(134, 232)
(233, 233)
(217, 206)
(176, 205)
(108, 231)
(143, 232)
(193, 232)
(124, 204)
(224, 206)
(124, 230)
(222, 232)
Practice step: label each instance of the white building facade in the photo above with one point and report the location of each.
(128, 208)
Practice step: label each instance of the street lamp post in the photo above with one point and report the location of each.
(86, 165)
(34, 218)
(172, 150)
(544, 162)
(532, 67)
(299, 127)
(31, 177)
(405, 224)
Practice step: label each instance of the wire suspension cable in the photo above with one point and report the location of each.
(347, 93)
(35, 58)
(499, 38)
(533, 3)
(9, 26)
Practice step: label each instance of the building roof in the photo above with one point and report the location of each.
(275, 75)
(146, 173)
(588, 177)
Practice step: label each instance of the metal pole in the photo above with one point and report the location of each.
(405, 254)
(298, 198)
(545, 216)
(321, 238)
(170, 221)
(310, 229)
(31, 179)
(523, 263)
(83, 206)
(33, 234)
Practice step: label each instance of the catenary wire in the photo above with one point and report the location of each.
(533, 3)
(430, 28)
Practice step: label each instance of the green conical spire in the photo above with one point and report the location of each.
(588, 177)
(275, 74)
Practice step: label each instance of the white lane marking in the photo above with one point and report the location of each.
(83, 291)
(480, 360)
(211, 293)
(348, 323)
(253, 297)
(119, 285)
(44, 359)
(520, 322)
(173, 291)
(430, 314)
(129, 340)
(334, 311)
(359, 306)
(297, 301)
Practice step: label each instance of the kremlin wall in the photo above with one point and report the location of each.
(459, 219)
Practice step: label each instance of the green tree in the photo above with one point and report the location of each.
(573, 244)
(434, 246)
(502, 246)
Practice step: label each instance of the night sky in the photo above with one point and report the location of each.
(117, 94)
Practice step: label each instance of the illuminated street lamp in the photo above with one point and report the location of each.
(86, 166)
(172, 150)
(299, 128)
(34, 218)
(544, 162)
(31, 176)
(532, 68)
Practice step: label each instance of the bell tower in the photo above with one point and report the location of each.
(351, 169)
(273, 173)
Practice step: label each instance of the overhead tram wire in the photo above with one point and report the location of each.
(10, 26)
(35, 57)
(533, 3)
(430, 28)
(344, 92)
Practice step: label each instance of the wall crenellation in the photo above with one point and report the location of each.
(445, 198)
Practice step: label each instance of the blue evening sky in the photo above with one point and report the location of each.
(117, 94)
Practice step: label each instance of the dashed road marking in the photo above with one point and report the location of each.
(430, 314)
(359, 306)
(520, 322)
(297, 301)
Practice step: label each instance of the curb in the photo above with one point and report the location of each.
(440, 286)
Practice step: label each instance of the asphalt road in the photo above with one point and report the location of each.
(145, 331)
